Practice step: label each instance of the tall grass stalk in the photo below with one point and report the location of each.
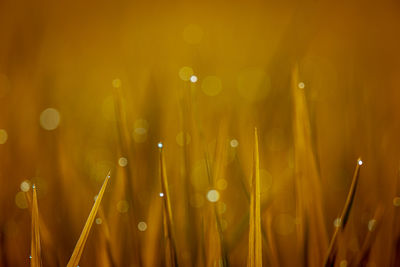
(254, 258)
(168, 222)
(80, 245)
(36, 259)
(333, 245)
(312, 240)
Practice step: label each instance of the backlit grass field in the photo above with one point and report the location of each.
(212, 133)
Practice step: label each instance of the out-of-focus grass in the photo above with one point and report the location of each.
(85, 89)
(255, 236)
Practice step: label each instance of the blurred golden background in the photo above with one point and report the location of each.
(87, 87)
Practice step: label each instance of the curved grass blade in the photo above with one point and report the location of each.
(80, 245)
(36, 260)
(255, 238)
(332, 250)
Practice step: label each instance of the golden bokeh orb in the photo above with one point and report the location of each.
(222, 184)
(122, 161)
(185, 73)
(396, 201)
(25, 186)
(142, 226)
(182, 139)
(122, 206)
(49, 119)
(139, 133)
(213, 195)
(234, 143)
(116, 83)
(211, 85)
(193, 78)
(20, 200)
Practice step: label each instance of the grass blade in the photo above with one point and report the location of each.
(255, 238)
(151, 241)
(45, 235)
(80, 245)
(311, 231)
(215, 247)
(168, 222)
(36, 260)
(332, 250)
(131, 251)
